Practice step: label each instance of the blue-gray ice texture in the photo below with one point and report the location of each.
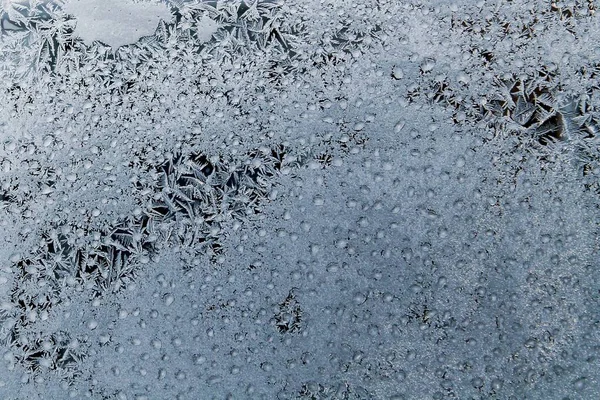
(264, 199)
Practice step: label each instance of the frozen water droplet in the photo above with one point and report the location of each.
(359, 298)
(580, 383)
(463, 78)
(71, 177)
(340, 244)
(477, 383)
(266, 366)
(496, 384)
(399, 126)
(397, 73)
(104, 338)
(427, 65)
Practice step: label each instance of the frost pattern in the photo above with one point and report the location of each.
(371, 199)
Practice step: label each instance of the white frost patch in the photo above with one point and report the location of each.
(206, 28)
(116, 22)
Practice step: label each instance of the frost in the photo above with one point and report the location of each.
(116, 23)
(320, 199)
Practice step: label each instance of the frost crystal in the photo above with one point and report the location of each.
(299, 200)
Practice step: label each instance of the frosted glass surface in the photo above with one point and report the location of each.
(299, 200)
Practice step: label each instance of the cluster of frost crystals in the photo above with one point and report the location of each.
(301, 200)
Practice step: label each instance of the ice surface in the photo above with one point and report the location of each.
(299, 200)
(115, 22)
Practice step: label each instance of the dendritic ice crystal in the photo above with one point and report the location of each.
(266, 199)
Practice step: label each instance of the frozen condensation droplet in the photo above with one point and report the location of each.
(397, 73)
(399, 126)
